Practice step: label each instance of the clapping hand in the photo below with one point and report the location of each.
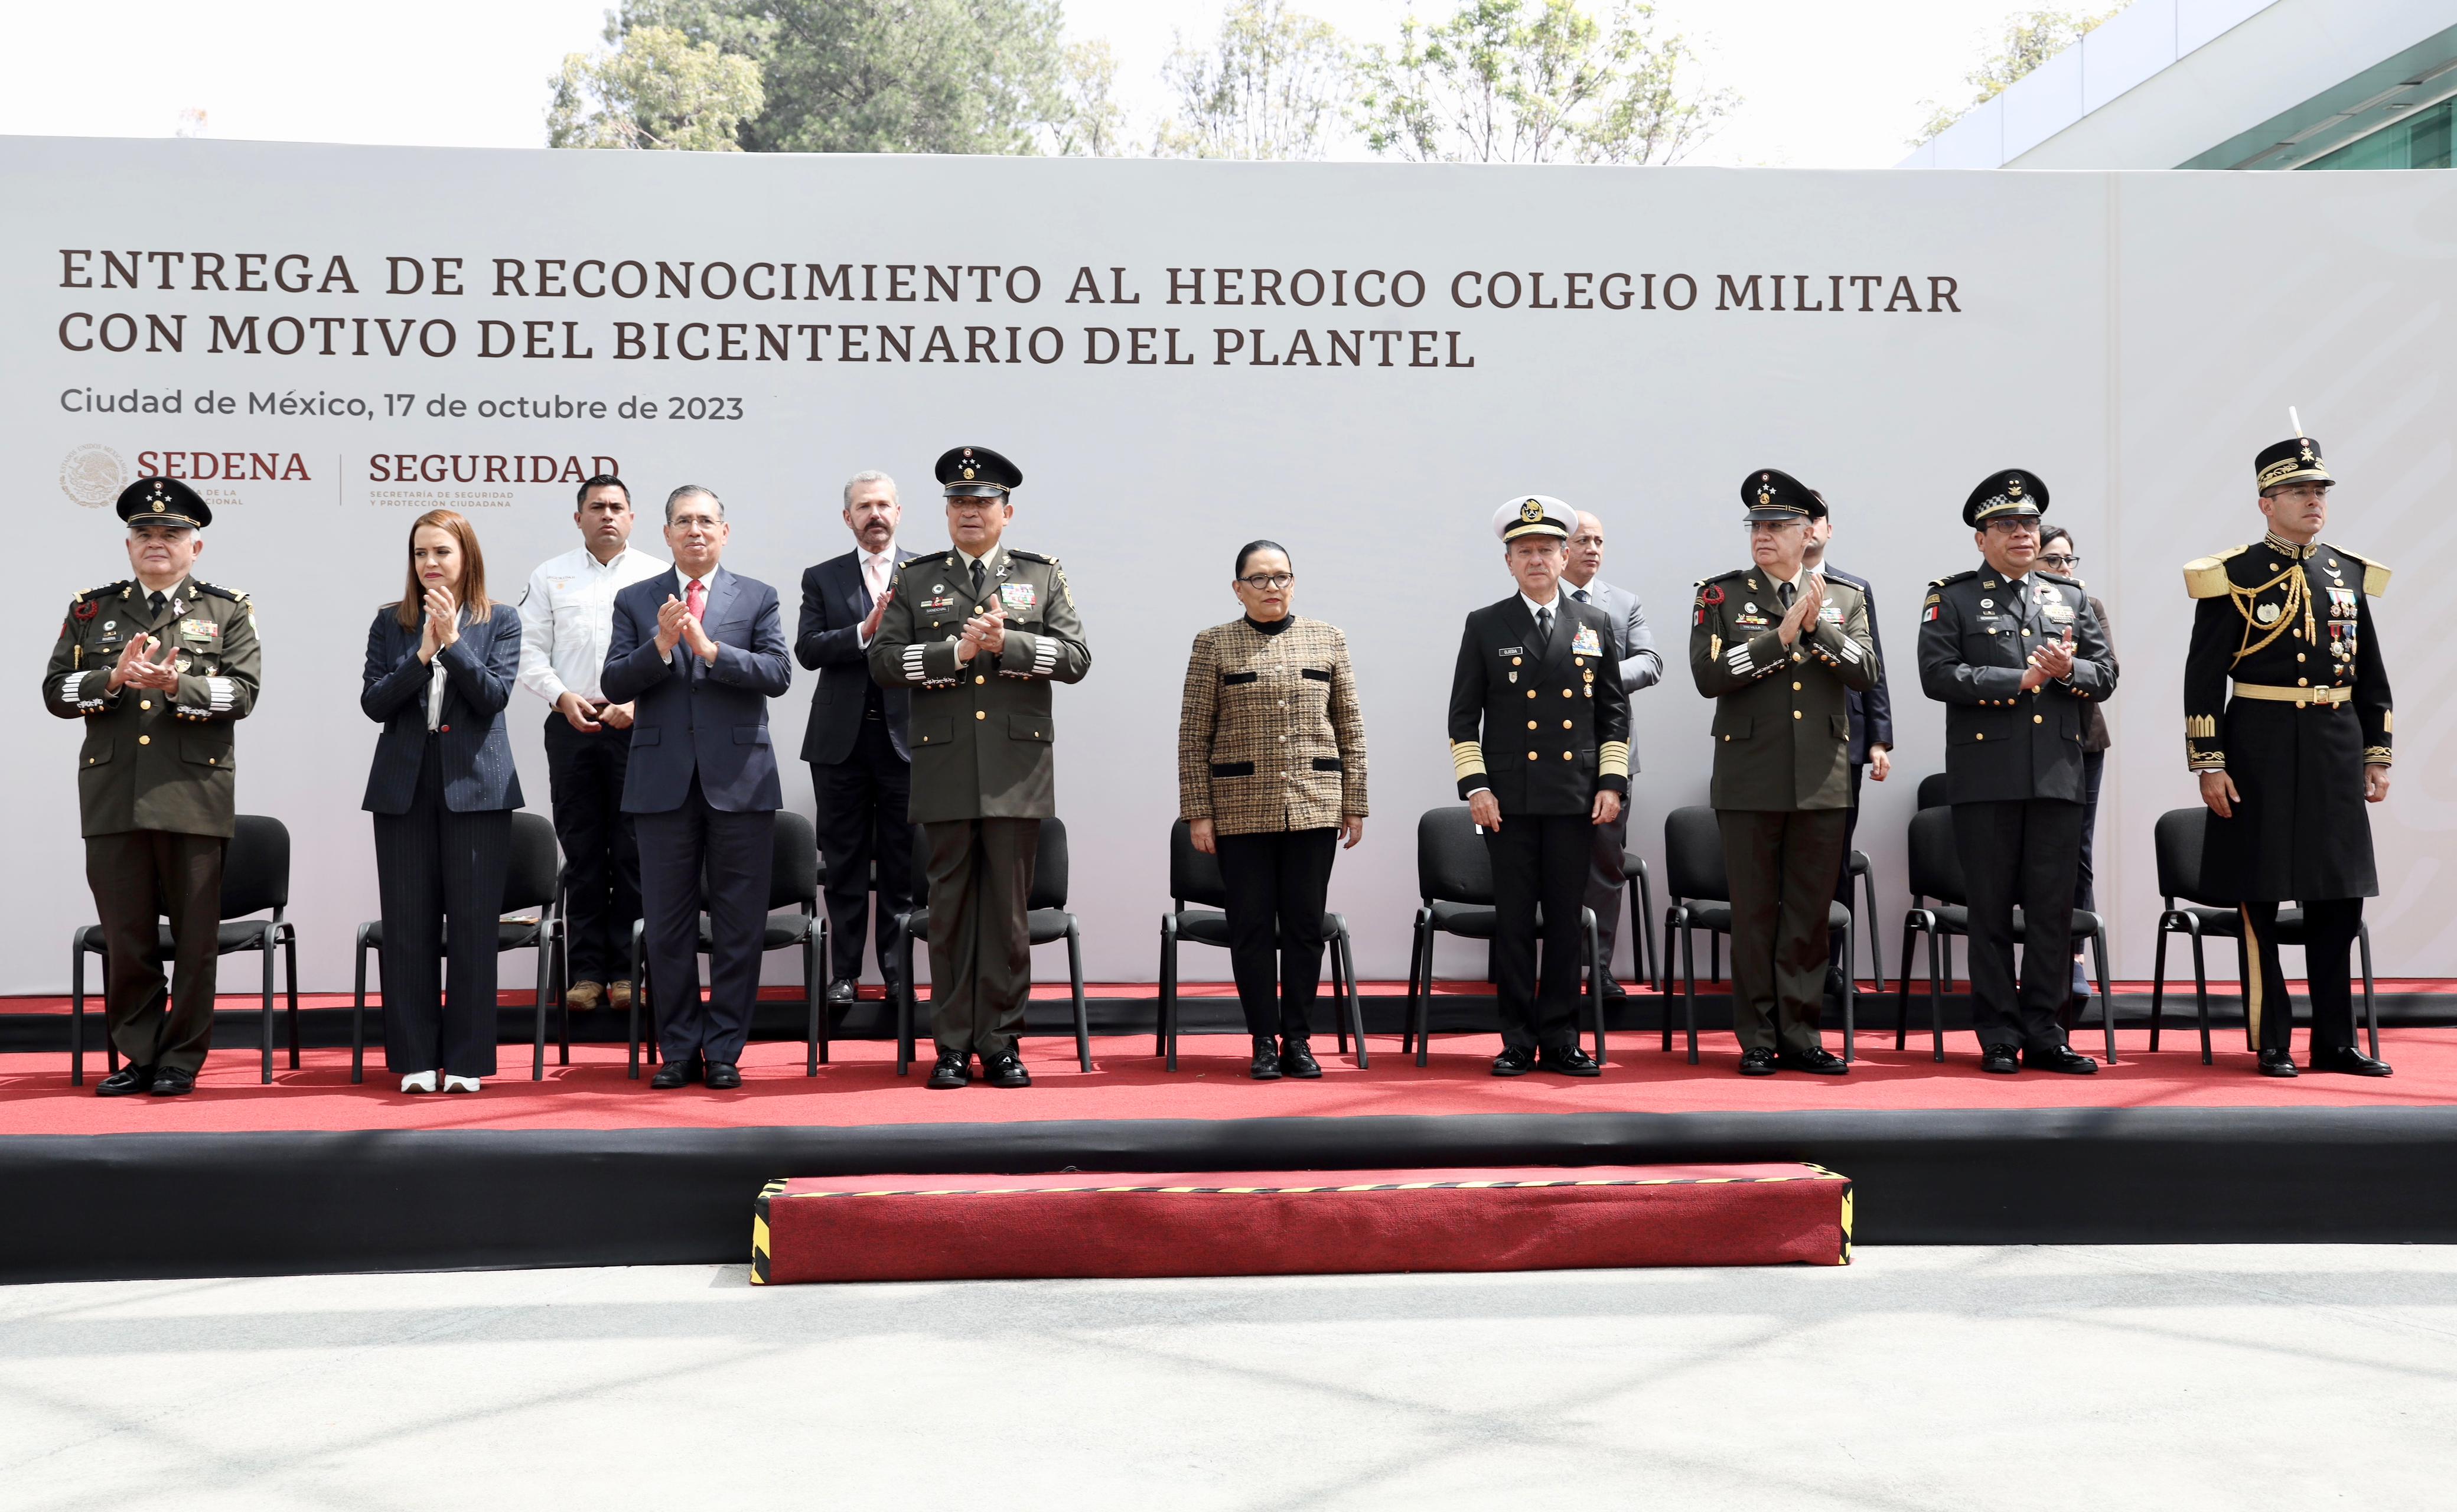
(136, 669)
(2053, 661)
(1804, 608)
(983, 632)
(878, 611)
(442, 624)
(703, 645)
(671, 616)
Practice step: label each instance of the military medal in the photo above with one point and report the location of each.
(2266, 613)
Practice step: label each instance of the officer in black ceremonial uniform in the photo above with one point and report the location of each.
(2015, 653)
(158, 666)
(1540, 738)
(2287, 763)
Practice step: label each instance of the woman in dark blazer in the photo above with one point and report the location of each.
(439, 668)
(1270, 775)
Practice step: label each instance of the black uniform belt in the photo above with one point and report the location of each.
(2293, 696)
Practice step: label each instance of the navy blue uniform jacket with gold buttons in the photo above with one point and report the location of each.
(1976, 635)
(1542, 732)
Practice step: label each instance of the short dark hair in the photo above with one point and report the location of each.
(693, 490)
(1246, 553)
(2057, 532)
(604, 480)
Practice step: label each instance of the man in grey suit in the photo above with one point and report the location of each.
(1641, 666)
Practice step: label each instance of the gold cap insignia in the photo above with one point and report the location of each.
(1765, 498)
(157, 506)
(2012, 488)
(1531, 511)
(968, 472)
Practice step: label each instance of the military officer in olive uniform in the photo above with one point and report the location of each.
(2016, 654)
(1545, 661)
(1778, 648)
(979, 632)
(158, 666)
(2287, 763)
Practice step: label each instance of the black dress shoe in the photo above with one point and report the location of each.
(2350, 1062)
(1266, 1059)
(1296, 1059)
(1999, 1059)
(955, 1068)
(2060, 1058)
(1568, 1060)
(1514, 1061)
(1006, 1069)
(2276, 1062)
(723, 1076)
(1614, 991)
(125, 1082)
(1757, 1062)
(675, 1073)
(171, 1081)
(1816, 1062)
(840, 993)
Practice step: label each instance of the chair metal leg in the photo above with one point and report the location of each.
(1355, 1003)
(1876, 937)
(1421, 985)
(1082, 1023)
(1689, 984)
(2202, 994)
(1715, 956)
(264, 945)
(359, 1016)
(1903, 989)
(2106, 998)
(815, 995)
(2371, 1009)
(282, 932)
(1166, 1038)
(906, 1007)
(631, 1015)
(2244, 966)
(1664, 988)
(1338, 988)
(1851, 992)
(1595, 982)
(563, 989)
(537, 1004)
(2158, 982)
(76, 1011)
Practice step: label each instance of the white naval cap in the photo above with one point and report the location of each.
(1535, 514)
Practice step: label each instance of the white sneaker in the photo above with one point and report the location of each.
(418, 1082)
(460, 1084)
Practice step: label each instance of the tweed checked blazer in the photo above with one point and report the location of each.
(1270, 736)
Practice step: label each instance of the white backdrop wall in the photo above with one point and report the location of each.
(2132, 337)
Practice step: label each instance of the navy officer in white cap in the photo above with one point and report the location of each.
(1539, 737)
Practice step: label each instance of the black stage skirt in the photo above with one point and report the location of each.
(2301, 831)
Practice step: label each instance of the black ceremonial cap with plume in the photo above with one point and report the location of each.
(2290, 461)
(2009, 492)
(1773, 495)
(977, 471)
(164, 501)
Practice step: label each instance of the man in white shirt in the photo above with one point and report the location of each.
(566, 617)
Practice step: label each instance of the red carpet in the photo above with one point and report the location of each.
(1127, 1081)
(1297, 1223)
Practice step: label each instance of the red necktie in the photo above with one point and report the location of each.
(696, 597)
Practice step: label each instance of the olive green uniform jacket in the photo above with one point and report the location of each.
(1783, 726)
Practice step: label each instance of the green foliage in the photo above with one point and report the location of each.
(1268, 87)
(1511, 81)
(658, 90)
(2030, 38)
(1093, 123)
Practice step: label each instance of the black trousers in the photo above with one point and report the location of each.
(980, 934)
(2329, 928)
(601, 858)
(1608, 885)
(1539, 859)
(1278, 883)
(735, 852)
(140, 877)
(1780, 864)
(2026, 852)
(2094, 769)
(861, 804)
(440, 875)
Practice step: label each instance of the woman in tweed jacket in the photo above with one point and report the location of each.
(1270, 776)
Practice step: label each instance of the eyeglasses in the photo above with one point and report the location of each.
(694, 522)
(2059, 560)
(1261, 581)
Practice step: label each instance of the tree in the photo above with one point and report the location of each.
(1511, 81)
(658, 90)
(2030, 38)
(1267, 88)
(881, 75)
(1093, 124)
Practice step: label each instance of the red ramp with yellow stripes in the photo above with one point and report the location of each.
(1295, 1223)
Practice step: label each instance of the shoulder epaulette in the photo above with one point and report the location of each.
(2056, 578)
(1944, 582)
(2206, 576)
(2375, 575)
(1031, 556)
(109, 589)
(234, 595)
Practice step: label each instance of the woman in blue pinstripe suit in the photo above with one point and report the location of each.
(440, 669)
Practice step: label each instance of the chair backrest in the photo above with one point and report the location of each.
(1693, 855)
(1453, 867)
(256, 867)
(2178, 840)
(794, 863)
(530, 883)
(1194, 877)
(1049, 866)
(1935, 863)
(1932, 791)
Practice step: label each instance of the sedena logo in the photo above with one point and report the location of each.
(92, 475)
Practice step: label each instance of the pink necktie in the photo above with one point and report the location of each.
(874, 572)
(696, 597)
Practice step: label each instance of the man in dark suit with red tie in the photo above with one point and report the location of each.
(862, 771)
(698, 652)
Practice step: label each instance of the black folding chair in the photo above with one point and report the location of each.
(255, 880)
(1455, 892)
(793, 883)
(1194, 877)
(1639, 897)
(1936, 873)
(1701, 899)
(530, 888)
(2179, 842)
(1045, 920)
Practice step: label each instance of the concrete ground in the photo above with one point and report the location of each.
(2047, 1377)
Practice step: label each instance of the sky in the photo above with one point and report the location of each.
(1825, 83)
